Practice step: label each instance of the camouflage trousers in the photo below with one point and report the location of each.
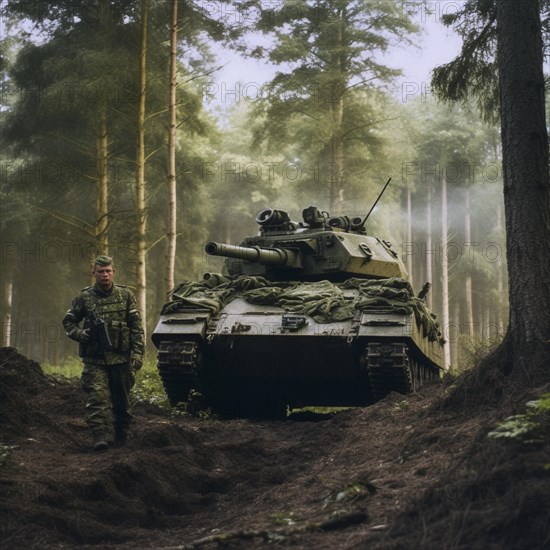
(108, 388)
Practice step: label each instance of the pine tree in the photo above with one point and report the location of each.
(322, 98)
(526, 347)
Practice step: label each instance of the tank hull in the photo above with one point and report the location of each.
(254, 360)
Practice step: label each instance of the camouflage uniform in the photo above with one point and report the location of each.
(108, 376)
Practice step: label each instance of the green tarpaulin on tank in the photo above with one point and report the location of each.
(323, 301)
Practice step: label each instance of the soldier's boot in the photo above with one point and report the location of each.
(120, 435)
(101, 441)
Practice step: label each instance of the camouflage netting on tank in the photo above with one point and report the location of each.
(323, 301)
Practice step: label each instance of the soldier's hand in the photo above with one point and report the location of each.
(84, 335)
(136, 363)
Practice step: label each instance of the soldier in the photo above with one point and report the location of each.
(111, 353)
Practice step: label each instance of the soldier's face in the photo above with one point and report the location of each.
(104, 275)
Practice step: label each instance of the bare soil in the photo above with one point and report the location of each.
(413, 471)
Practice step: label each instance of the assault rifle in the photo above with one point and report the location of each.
(99, 332)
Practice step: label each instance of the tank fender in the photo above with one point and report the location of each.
(175, 326)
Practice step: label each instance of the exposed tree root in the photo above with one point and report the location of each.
(506, 377)
(332, 524)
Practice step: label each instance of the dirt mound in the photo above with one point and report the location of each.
(402, 473)
(495, 495)
(21, 382)
(496, 498)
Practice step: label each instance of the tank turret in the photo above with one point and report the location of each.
(319, 247)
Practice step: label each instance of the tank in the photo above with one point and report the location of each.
(310, 313)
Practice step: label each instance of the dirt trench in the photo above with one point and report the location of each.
(402, 473)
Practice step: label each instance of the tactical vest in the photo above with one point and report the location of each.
(113, 308)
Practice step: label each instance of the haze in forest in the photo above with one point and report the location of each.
(319, 135)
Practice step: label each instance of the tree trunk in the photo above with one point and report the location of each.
(468, 279)
(526, 347)
(455, 342)
(485, 330)
(409, 236)
(429, 244)
(102, 184)
(101, 244)
(336, 191)
(45, 351)
(445, 271)
(141, 213)
(172, 211)
(500, 282)
(7, 299)
(56, 353)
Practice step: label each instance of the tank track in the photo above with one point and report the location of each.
(390, 367)
(178, 363)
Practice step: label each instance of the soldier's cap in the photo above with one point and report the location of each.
(103, 260)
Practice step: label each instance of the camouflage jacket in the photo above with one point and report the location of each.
(118, 308)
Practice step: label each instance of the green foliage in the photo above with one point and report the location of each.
(324, 100)
(350, 493)
(72, 63)
(71, 368)
(533, 427)
(518, 426)
(284, 518)
(149, 389)
(5, 455)
(473, 73)
(474, 351)
(401, 405)
(194, 406)
(453, 136)
(74, 69)
(540, 406)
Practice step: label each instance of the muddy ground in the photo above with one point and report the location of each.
(412, 471)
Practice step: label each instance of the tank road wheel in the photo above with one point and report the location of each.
(177, 363)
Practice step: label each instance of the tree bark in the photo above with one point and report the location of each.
(429, 244)
(485, 331)
(102, 198)
(7, 299)
(445, 272)
(468, 279)
(337, 153)
(102, 157)
(500, 282)
(409, 236)
(456, 343)
(337, 159)
(141, 213)
(526, 185)
(172, 208)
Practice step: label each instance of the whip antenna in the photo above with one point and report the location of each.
(375, 203)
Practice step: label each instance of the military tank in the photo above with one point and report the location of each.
(310, 313)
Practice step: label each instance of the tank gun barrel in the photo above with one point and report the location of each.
(286, 257)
